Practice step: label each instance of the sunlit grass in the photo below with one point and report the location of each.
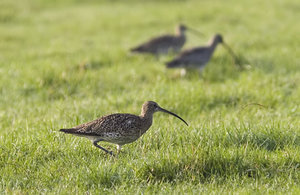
(64, 63)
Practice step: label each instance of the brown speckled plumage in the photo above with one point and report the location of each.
(118, 128)
(163, 44)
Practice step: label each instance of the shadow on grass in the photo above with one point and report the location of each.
(104, 178)
(94, 64)
(227, 101)
(208, 167)
(208, 103)
(272, 140)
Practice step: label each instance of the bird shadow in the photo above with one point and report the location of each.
(201, 171)
(93, 64)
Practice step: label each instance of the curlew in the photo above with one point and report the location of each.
(197, 58)
(165, 43)
(119, 128)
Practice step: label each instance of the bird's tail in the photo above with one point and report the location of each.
(77, 132)
(137, 49)
(134, 49)
(70, 131)
(173, 64)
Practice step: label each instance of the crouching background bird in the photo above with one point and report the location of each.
(119, 128)
(197, 58)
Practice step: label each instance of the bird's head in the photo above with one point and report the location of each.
(218, 38)
(150, 107)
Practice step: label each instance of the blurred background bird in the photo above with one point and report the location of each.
(166, 43)
(197, 58)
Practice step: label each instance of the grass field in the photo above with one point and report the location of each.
(63, 63)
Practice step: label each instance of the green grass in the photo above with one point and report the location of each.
(66, 63)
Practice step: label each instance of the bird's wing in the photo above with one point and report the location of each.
(109, 123)
(158, 42)
(197, 55)
(198, 51)
(190, 57)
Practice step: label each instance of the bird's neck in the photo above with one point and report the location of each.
(179, 33)
(213, 44)
(146, 116)
(147, 120)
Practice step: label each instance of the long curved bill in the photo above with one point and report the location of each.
(195, 31)
(235, 58)
(166, 111)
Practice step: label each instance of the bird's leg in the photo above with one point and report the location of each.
(119, 148)
(95, 144)
(200, 70)
(182, 72)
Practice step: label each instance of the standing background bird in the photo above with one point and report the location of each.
(119, 128)
(197, 58)
(164, 44)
